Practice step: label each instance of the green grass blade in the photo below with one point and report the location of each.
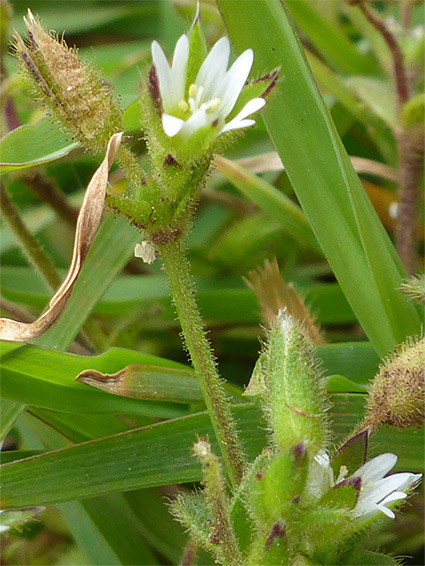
(31, 145)
(322, 176)
(9, 412)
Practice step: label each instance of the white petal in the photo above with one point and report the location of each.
(376, 468)
(250, 107)
(234, 81)
(213, 70)
(237, 125)
(179, 69)
(171, 125)
(386, 511)
(395, 496)
(239, 121)
(163, 72)
(195, 122)
(382, 488)
(4, 528)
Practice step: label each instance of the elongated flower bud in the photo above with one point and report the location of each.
(73, 92)
(289, 383)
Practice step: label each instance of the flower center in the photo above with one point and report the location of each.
(196, 102)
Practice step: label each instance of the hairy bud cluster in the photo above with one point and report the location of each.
(73, 92)
(397, 394)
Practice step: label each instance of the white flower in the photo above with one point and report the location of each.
(213, 95)
(376, 491)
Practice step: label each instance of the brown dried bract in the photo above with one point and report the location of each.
(87, 225)
(275, 294)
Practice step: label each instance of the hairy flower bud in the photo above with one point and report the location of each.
(73, 92)
(397, 394)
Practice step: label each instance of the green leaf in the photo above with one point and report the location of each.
(378, 95)
(334, 84)
(29, 375)
(340, 384)
(160, 530)
(341, 215)
(10, 411)
(147, 382)
(29, 145)
(160, 455)
(356, 361)
(329, 40)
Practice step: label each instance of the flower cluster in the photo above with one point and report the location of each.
(211, 98)
(376, 491)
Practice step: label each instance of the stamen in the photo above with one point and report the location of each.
(183, 105)
(211, 104)
(214, 103)
(192, 105)
(193, 90)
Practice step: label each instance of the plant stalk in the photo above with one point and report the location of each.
(409, 144)
(28, 243)
(182, 289)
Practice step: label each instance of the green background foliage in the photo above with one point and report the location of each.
(102, 463)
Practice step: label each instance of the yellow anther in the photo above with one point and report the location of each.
(214, 103)
(183, 105)
(193, 90)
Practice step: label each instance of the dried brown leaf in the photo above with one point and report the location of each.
(87, 225)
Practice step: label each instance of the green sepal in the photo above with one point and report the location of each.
(255, 89)
(197, 53)
(325, 530)
(277, 491)
(241, 510)
(276, 549)
(362, 556)
(193, 512)
(343, 495)
(257, 384)
(351, 455)
(195, 148)
(138, 212)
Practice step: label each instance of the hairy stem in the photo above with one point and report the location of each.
(399, 69)
(177, 268)
(409, 145)
(48, 193)
(189, 553)
(28, 243)
(411, 166)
